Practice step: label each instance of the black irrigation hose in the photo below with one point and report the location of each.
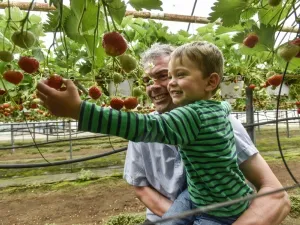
(19, 166)
(270, 122)
(51, 142)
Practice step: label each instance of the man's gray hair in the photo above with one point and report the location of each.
(155, 51)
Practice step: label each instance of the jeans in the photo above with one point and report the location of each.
(205, 219)
(184, 203)
(181, 204)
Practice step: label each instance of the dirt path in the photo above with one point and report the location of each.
(89, 204)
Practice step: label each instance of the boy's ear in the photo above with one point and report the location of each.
(213, 82)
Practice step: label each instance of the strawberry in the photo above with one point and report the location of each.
(251, 40)
(274, 2)
(297, 42)
(131, 102)
(128, 63)
(288, 51)
(28, 64)
(114, 43)
(94, 92)
(116, 103)
(6, 56)
(23, 39)
(252, 86)
(13, 76)
(2, 92)
(137, 91)
(275, 80)
(54, 81)
(117, 78)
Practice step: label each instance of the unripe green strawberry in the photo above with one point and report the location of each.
(117, 78)
(137, 91)
(128, 63)
(6, 56)
(274, 2)
(288, 51)
(25, 39)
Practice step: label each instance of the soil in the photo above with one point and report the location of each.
(91, 204)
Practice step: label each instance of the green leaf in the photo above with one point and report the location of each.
(15, 13)
(272, 15)
(54, 19)
(266, 35)
(117, 9)
(248, 13)
(98, 50)
(38, 54)
(239, 37)
(228, 10)
(89, 21)
(35, 19)
(146, 4)
(140, 30)
(71, 28)
(222, 29)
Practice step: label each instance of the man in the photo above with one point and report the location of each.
(156, 171)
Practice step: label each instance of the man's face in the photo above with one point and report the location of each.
(157, 70)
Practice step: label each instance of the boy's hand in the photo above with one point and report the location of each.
(60, 103)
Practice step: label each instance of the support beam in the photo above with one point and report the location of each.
(44, 7)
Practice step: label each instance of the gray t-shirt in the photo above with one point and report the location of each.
(159, 165)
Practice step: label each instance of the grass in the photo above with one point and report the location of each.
(266, 143)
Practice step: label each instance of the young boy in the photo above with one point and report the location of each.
(199, 127)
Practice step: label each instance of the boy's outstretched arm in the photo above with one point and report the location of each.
(60, 103)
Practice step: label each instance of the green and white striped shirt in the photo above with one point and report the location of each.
(205, 139)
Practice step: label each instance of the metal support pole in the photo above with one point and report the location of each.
(12, 138)
(70, 142)
(250, 113)
(47, 132)
(33, 131)
(257, 116)
(287, 124)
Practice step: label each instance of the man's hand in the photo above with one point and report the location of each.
(60, 103)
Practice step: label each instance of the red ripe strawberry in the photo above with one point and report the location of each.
(12, 76)
(28, 64)
(2, 92)
(94, 92)
(55, 81)
(251, 40)
(116, 103)
(275, 80)
(114, 43)
(252, 86)
(131, 102)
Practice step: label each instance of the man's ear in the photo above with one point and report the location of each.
(213, 82)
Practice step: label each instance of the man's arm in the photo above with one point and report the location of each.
(269, 210)
(153, 200)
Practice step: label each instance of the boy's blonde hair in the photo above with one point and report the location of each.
(206, 56)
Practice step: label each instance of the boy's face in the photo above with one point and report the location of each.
(158, 92)
(187, 84)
